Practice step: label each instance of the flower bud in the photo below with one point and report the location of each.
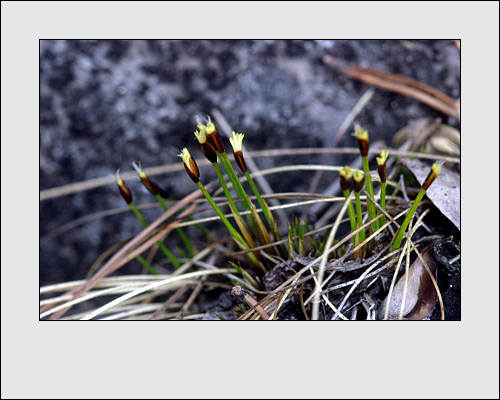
(190, 165)
(124, 190)
(152, 186)
(145, 180)
(435, 170)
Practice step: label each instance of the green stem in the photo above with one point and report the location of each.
(350, 210)
(406, 222)
(372, 213)
(265, 210)
(226, 190)
(382, 202)
(202, 229)
(138, 215)
(146, 265)
(162, 247)
(360, 218)
(185, 239)
(237, 237)
(259, 199)
(233, 176)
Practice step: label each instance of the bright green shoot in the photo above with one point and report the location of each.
(358, 179)
(433, 174)
(237, 143)
(214, 139)
(211, 155)
(345, 184)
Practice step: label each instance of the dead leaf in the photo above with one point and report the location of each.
(421, 295)
(445, 140)
(444, 192)
(430, 134)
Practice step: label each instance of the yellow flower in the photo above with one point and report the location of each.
(201, 136)
(363, 139)
(211, 133)
(384, 154)
(381, 161)
(358, 180)
(345, 177)
(237, 143)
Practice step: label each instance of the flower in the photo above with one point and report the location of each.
(345, 178)
(384, 154)
(363, 139)
(190, 165)
(381, 161)
(358, 180)
(206, 147)
(211, 133)
(237, 143)
(201, 136)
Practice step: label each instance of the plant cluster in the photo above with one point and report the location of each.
(259, 238)
(308, 271)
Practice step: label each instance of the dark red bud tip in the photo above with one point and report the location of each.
(195, 177)
(190, 165)
(216, 141)
(147, 183)
(209, 152)
(238, 156)
(363, 147)
(382, 173)
(363, 140)
(435, 170)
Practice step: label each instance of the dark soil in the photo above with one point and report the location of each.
(107, 103)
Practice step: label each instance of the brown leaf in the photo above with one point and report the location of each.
(444, 192)
(421, 295)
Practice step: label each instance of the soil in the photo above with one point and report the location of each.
(107, 103)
